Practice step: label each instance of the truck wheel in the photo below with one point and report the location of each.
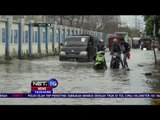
(60, 58)
(90, 59)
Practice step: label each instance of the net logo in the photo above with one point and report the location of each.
(53, 83)
(39, 83)
(43, 86)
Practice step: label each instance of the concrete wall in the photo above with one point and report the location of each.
(15, 37)
(2, 37)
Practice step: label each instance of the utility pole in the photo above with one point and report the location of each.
(154, 35)
(136, 22)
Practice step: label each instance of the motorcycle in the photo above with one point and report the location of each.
(100, 60)
(115, 62)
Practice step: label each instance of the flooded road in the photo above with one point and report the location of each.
(80, 77)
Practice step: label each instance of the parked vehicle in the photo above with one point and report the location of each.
(80, 47)
(135, 42)
(145, 43)
(155, 44)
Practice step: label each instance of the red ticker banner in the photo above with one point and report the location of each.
(81, 95)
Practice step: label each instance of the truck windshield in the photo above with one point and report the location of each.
(76, 41)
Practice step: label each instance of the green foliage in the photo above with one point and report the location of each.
(146, 17)
(149, 25)
(134, 33)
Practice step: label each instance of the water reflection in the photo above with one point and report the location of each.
(119, 74)
(7, 69)
(76, 65)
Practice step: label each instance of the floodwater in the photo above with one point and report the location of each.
(80, 77)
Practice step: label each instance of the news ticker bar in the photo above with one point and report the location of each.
(81, 95)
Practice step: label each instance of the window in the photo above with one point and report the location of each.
(15, 36)
(36, 36)
(63, 37)
(76, 41)
(68, 33)
(50, 37)
(57, 37)
(72, 32)
(33, 37)
(11, 36)
(44, 37)
(23, 41)
(26, 36)
(3, 35)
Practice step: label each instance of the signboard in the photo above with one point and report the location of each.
(42, 24)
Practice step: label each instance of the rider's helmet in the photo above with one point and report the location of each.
(101, 41)
(115, 40)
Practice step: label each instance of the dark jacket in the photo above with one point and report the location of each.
(116, 47)
(101, 47)
(126, 47)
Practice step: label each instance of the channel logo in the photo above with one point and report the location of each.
(53, 83)
(43, 86)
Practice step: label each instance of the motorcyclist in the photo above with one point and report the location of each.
(116, 47)
(101, 47)
(126, 49)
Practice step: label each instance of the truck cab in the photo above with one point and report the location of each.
(79, 47)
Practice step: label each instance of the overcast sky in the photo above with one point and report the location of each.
(131, 20)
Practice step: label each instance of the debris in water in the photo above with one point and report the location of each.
(140, 65)
(148, 73)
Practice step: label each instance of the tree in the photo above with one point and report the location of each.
(146, 17)
(149, 25)
(70, 19)
(150, 20)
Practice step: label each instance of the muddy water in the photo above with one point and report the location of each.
(80, 77)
